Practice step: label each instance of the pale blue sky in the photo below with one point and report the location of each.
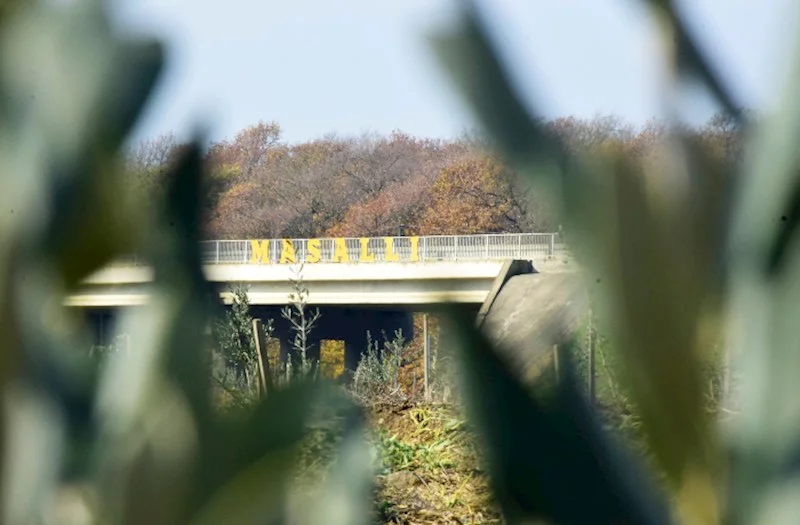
(349, 66)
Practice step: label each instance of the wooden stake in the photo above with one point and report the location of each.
(427, 357)
(264, 375)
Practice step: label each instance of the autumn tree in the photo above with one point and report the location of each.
(474, 196)
(309, 189)
(148, 160)
(583, 135)
(239, 173)
(375, 163)
(152, 154)
(724, 138)
(311, 186)
(250, 150)
(395, 211)
(394, 203)
(374, 185)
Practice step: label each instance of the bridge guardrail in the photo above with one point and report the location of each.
(486, 247)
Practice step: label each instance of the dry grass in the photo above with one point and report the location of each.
(430, 467)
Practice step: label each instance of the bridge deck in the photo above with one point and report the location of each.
(328, 284)
(410, 271)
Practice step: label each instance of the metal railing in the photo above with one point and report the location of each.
(488, 247)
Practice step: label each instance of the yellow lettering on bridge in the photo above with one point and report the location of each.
(287, 252)
(390, 255)
(365, 256)
(314, 254)
(339, 253)
(260, 251)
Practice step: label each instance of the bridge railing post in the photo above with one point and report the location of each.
(519, 246)
(552, 245)
(486, 240)
(216, 256)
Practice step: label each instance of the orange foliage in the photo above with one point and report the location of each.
(331, 358)
(471, 196)
(391, 212)
(363, 219)
(260, 186)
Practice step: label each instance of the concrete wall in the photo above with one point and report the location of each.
(531, 313)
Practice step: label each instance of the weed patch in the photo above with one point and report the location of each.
(429, 468)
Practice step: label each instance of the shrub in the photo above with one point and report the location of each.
(376, 379)
(235, 344)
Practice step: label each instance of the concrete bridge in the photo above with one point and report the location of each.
(359, 284)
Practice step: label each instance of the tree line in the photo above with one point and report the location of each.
(260, 186)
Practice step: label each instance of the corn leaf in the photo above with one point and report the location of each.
(548, 462)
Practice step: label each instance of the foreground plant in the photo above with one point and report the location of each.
(136, 441)
(301, 323)
(667, 254)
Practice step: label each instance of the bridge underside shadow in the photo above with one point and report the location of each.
(349, 324)
(340, 323)
(507, 312)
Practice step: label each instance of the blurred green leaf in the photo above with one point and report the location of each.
(576, 185)
(346, 494)
(105, 208)
(628, 233)
(658, 326)
(276, 425)
(79, 128)
(763, 319)
(484, 82)
(690, 59)
(154, 449)
(547, 462)
(178, 269)
(36, 431)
